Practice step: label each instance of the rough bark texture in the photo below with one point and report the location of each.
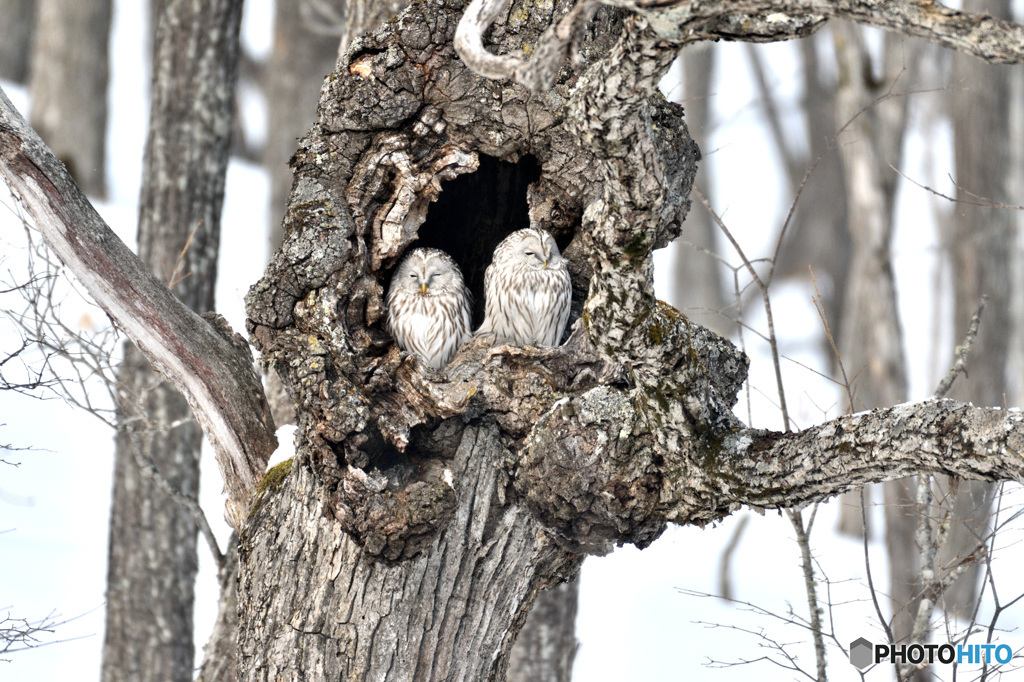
(308, 39)
(152, 563)
(685, 21)
(68, 86)
(444, 489)
(425, 509)
(16, 33)
(974, 33)
(362, 16)
(982, 247)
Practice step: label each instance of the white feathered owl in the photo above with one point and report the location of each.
(528, 291)
(429, 307)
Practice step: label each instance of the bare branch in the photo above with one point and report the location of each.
(980, 35)
(539, 73)
(724, 580)
(66, 359)
(782, 470)
(21, 634)
(469, 40)
(217, 379)
(686, 21)
(803, 539)
(886, 627)
(978, 200)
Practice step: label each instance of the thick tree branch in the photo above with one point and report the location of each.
(940, 436)
(215, 374)
(685, 21)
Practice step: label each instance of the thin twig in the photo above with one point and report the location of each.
(831, 143)
(867, 568)
(803, 541)
(772, 341)
(819, 306)
(724, 581)
(176, 276)
(979, 200)
(961, 353)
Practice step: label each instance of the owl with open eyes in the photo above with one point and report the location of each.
(528, 291)
(429, 307)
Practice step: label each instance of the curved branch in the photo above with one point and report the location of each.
(686, 21)
(981, 35)
(214, 373)
(769, 470)
(539, 73)
(469, 40)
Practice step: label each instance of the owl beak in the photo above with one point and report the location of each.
(545, 262)
(423, 287)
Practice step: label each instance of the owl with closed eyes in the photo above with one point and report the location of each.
(528, 291)
(429, 307)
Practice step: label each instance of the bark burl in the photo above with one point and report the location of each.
(425, 509)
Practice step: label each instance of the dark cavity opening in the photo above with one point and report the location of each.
(474, 212)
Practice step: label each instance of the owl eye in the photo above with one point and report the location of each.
(529, 253)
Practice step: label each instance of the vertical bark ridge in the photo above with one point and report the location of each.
(438, 616)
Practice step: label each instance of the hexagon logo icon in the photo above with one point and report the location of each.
(860, 653)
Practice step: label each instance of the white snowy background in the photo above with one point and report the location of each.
(636, 622)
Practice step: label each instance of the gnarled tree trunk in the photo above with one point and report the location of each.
(420, 503)
(461, 544)
(425, 509)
